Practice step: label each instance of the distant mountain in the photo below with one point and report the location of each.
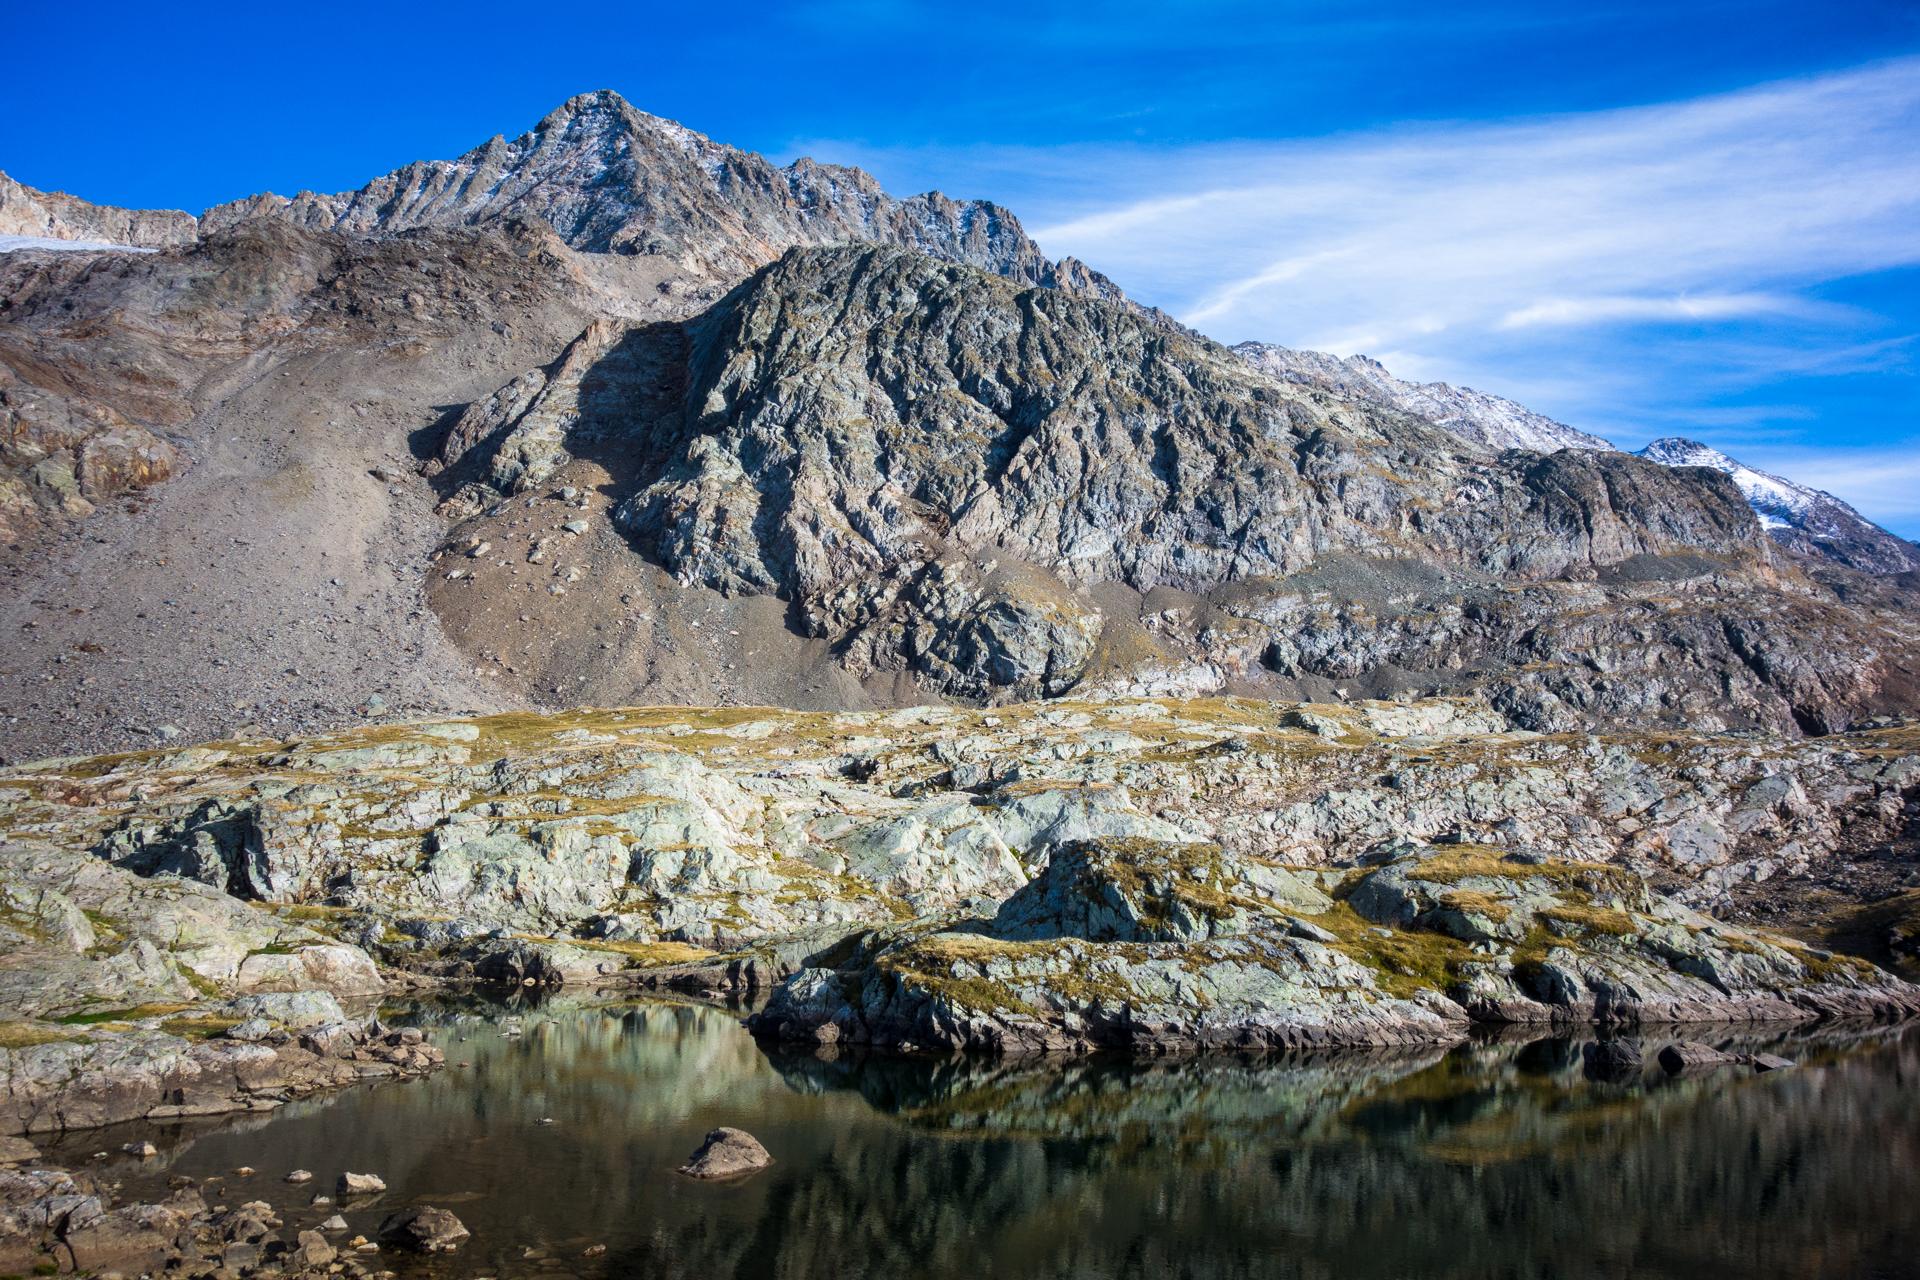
(613, 179)
(1803, 520)
(1490, 420)
(31, 219)
(1809, 521)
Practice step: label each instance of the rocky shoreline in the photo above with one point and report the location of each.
(56, 1220)
(1129, 872)
(1149, 946)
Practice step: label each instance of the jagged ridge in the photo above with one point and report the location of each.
(613, 179)
(1491, 420)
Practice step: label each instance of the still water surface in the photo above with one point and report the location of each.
(1489, 1160)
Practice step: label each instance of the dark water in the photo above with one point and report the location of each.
(1489, 1160)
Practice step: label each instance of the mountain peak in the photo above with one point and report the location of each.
(1678, 451)
(1810, 521)
(610, 178)
(588, 102)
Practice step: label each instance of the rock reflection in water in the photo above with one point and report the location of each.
(1492, 1159)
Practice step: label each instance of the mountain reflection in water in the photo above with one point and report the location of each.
(1492, 1159)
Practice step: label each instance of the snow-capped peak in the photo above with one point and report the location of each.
(1780, 503)
(1807, 520)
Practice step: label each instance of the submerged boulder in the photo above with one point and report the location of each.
(727, 1153)
(1690, 1057)
(424, 1229)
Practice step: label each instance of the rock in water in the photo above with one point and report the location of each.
(1691, 1056)
(727, 1153)
(1770, 1062)
(312, 1250)
(362, 1184)
(1615, 1061)
(424, 1229)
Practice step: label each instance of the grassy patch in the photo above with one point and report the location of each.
(1454, 863)
(1590, 920)
(26, 1035)
(641, 955)
(1887, 931)
(1477, 904)
(1406, 963)
(94, 1017)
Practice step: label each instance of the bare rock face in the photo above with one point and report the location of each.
(53, 215)
(948, 477)
(1803, 520)
(727, 1153)
(882, 404)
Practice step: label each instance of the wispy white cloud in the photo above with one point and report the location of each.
(1711, 209)
(1707, 306)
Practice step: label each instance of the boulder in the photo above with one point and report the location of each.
(361, 1184)
(727, 1153)
(424, 1229)
(312, 1250)
(1690, 1056)
(1614, 1061)
(335, 967)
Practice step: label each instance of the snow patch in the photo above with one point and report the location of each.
(9, 244)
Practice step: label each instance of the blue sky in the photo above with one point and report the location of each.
(1645, 219)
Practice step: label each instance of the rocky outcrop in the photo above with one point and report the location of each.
(1413, 950)
(998, 492)
(125, 997)
(186, 1064)
(54, 215)
(574, 845)
(1045, 877)
(883, 406)
(1803, 520)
